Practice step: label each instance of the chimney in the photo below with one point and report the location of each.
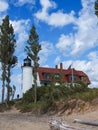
(61, 66)
(56, 66)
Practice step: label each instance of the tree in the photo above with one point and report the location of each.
(3, 54)
(11, 63)
(32, 50)
(7, 58)
(96, 8)
(12, 92)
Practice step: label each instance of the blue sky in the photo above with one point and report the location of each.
(67, 30)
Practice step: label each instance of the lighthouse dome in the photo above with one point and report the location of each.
(27, 61)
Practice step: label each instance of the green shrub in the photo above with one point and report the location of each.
(87, 95)
(28, 97)
(48, 96)
(36, 108)
(26, 107)
(6, 106)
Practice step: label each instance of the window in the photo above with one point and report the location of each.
(83, 78)
(73, 77)
(46, 75)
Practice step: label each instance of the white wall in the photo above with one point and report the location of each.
(27, 78)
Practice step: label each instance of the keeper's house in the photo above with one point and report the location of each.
(46, 76)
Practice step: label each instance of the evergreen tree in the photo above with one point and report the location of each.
(7, 58)
(32, 50)
(96, 8)
(11, 63)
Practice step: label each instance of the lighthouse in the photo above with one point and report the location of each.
(26, 75)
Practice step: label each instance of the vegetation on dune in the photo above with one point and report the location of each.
(5, 107)
(49, 97)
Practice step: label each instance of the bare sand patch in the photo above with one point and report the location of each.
(14, 120)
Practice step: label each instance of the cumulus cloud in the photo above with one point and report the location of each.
(20, 25)
(87, 66)
(90, 68)
(57, 60)
(93, 55)
(22, 2)
(21, 28)
(56, 19)
(85, 26)
(64, 44)
(47, 50)
(87, 32)
(85, 35)
(46, 4)
(3, 5)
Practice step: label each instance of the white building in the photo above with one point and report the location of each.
(44, 75)
(27, 75)
(27, 78)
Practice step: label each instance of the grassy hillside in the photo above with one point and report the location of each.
(57, 98)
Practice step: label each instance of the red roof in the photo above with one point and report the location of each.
(65, 73)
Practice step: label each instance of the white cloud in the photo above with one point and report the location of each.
(93, 55)
(56, 19)
(60, 18)
(87, 32)
(86, 3)
(57, 60)
(22, 2)
(20, 25)
(89, 67)
(17, 80)
(22, 38)
(46, 4)
(3, 5)
(64, 44)
(21, 28)
(47, 50)
(85, 35)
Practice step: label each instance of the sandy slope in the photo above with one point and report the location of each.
(14, 120)
(88, 116)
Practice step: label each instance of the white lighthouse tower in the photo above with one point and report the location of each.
(26, 75)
